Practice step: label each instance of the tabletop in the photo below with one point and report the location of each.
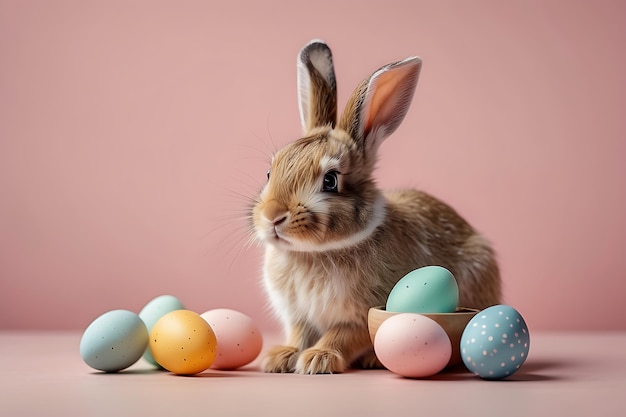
(567, 373)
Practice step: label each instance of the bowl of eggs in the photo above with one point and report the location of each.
(452, 323)
(422, 317)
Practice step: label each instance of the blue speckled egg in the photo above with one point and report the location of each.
(495, 343)
(114, 341)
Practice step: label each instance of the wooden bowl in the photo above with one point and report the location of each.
(452, 323)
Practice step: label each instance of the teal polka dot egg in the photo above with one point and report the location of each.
(495, 343)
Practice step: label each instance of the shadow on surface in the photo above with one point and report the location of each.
(530, 371)
(131, 372)
(546, 370)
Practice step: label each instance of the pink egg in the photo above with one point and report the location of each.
(239, 341)
(412, 345)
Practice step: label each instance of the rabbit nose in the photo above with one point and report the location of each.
(275, 213)
(279, 220)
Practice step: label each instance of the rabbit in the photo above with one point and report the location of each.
(335, 245)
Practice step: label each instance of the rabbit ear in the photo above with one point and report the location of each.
(317, 89)
(379, 104)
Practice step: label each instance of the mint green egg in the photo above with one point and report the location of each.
(153, 311)
(431, 289)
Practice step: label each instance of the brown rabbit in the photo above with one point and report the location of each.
(336, 244)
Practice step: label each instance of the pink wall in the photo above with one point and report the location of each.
(133, 135)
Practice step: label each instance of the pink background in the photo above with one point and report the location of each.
(133, 135)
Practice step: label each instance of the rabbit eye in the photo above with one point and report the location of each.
(268, 174)
(331, 182)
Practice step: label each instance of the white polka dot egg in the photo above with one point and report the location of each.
(495, 343)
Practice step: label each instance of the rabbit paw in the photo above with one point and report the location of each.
(280, 359)
(320, 361)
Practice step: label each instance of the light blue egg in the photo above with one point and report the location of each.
(114, 341)
(495, 343)
(431, 289)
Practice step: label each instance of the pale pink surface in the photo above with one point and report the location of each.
(566, 374)
(134, 134)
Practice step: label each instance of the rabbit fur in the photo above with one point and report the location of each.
(335, 244)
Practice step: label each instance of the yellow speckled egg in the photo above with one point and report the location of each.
(183, 342)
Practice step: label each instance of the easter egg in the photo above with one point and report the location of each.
(183, 342)
(114, 341)
(239, 341)
(412, 345)
(153, 311)
(431, 289)
(495, 343)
